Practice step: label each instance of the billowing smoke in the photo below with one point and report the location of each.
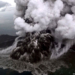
(56, 15)
(39, 12)
(66, 27)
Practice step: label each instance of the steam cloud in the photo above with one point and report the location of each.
(66, 27)
(41, 14)
(39, 11)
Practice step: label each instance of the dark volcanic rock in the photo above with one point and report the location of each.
(34, 47)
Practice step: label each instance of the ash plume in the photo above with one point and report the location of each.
(58, 16)
(40, 13)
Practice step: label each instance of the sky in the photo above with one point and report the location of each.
(7, 9)
(9, 1)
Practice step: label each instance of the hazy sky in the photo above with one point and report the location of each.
(7, 8)
(9, 1)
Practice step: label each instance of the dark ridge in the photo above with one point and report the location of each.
(6, 40)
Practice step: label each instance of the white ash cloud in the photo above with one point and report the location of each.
(66, 27)
(39, 11)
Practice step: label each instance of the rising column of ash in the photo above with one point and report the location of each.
(47, 28)
(36, 15)
(35, 20)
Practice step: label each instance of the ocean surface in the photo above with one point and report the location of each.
(12, 72)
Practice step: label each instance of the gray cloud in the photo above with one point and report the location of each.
(2, 4)
(6, 19)
(7, 23)
(8, 9)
